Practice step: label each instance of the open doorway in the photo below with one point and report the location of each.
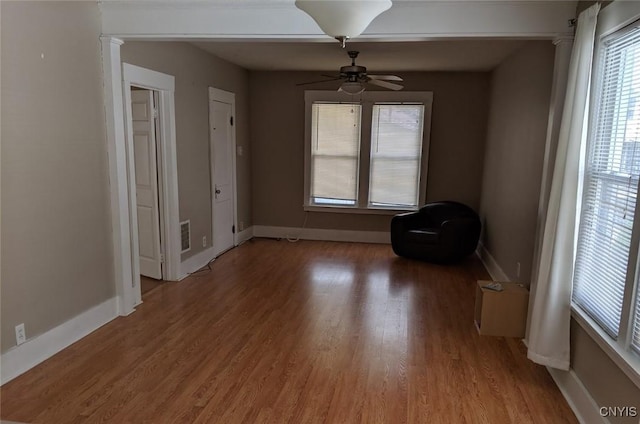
(145, 125)
(151, 173)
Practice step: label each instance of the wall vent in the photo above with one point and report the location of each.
(185, 236)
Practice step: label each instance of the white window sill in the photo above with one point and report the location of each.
(354, 210)
(627, 361)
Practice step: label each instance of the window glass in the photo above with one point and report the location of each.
(396, 151)
(335, 145)
(612, 173)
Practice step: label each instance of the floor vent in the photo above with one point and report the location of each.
(185, 236)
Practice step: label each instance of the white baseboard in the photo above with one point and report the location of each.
(22, 358)
(489, 262)
(242, 236)
(577, 396)
(195, 262)
(383, 237)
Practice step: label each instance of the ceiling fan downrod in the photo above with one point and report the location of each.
(343, 40)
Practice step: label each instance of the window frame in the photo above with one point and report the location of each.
(618, 349)
(366, 99)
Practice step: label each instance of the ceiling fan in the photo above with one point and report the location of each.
(355, 76)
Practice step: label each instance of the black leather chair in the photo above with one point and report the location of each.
(440, 232)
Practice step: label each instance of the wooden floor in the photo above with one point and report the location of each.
(307, 332)
(147, 285)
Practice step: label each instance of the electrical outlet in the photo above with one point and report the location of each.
(241, 225)
(21, 335)
(518, 270)
(204, 241)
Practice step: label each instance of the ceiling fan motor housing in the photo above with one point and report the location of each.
(354, 76)
(353, 72)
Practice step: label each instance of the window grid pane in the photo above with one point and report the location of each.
(396, 150)
(335, 146)
(611, 182)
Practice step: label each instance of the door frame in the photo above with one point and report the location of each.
(223, 96)
(164, 86)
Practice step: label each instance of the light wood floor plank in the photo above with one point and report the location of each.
(307, 332)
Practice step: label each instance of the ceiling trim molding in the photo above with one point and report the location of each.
(274, 20)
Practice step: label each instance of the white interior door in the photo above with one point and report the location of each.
(221, 175)
(146, 170)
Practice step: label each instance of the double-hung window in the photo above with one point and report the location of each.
(606, 272)
(368, 153)
(335, 146)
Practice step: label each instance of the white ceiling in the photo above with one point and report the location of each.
(440, 55)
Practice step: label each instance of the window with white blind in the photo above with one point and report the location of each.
(606, 275)
(396, 151)
(366, 152)
(335, 143)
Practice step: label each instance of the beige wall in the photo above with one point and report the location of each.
(277, 138)
(604, 380)
(194, 71)
(520, 95)
(56, 230)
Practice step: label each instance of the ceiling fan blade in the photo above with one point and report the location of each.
(385, 77)
(319, 81)
(385, 84)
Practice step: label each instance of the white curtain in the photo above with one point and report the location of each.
(551, 315)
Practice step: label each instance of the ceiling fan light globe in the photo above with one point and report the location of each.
(343, 18)
(352, 88)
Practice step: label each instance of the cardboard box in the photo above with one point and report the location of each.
(501, 313)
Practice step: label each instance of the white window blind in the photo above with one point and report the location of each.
(612, 173)
(396, 150)
(335, 146)
(629, 59)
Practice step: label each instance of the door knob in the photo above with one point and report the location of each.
(217, 191)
